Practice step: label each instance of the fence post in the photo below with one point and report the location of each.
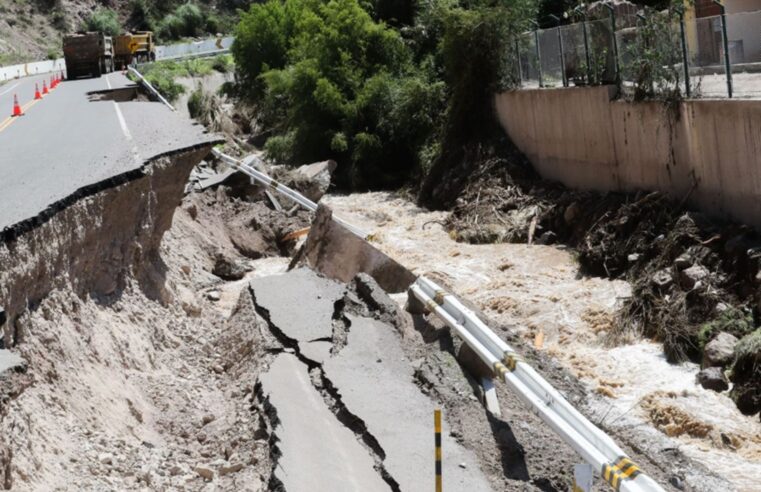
(684, 53)
(518, 62)
(562, 55)
(538, 53)
(615, 41)
(725, 43)
(586, 46)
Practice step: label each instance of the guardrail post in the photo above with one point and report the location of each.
(725, 44)
(615, 41)
(562, 55)
(687, 88)
(538, 53)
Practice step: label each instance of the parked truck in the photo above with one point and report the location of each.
(89, 53)
(138, 47)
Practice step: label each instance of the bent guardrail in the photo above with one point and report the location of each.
(150, 87)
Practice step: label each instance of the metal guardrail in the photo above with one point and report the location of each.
(589, 441)
(592, 444)
(282, 189)
(150, 88)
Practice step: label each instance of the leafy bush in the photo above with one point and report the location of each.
(223, 63)
(187, 20)
(337, 85)
(104, 20)
(734, 321)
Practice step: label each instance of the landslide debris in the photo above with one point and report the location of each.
(693, 277)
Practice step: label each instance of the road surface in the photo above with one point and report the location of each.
(68, 140)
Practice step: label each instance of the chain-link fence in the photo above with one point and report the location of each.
(654, 55)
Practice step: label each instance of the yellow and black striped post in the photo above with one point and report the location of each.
(437, 429)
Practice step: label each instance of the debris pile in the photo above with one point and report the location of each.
(693, 277)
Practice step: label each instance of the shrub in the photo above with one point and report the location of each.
(104, 20)
(337, 85)
(187, 20)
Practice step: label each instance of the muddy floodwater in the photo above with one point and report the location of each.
(539, 293)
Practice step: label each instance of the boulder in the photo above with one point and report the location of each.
(719, 352)
(226, 268)
(713, 378)
(315, 179)
(690, 277)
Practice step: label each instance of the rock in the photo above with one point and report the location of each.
(206, 473)
(213, 295)
(691, 276)
(662, 278)
(175, 470)
(633, 258)
(226, 268)
(208, 418)
(106, 458)
(188, 302)
(713, 378)
(548, 237)
(226, 470)
(201, 437)
(683, 261)
(218, 368)
(720, 351)
(572, 211)
(313, 180)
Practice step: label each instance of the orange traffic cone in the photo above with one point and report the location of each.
(44, 88)
(16, 107)
(37, 92)
(52, 83)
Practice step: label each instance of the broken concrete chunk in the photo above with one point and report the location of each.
(337, 253)
(683, 261)
(713, 378)
(720, 351)
(316, 451)
(690, 277)
(11, 361)
(315, 179)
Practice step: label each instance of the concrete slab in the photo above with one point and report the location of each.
(375, 381)
(9, 360)
(318, 352)
(334, 251)
(318, 452)
(300, 303)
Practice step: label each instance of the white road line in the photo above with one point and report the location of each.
(122, 123)
(108, 82)
(10, 88)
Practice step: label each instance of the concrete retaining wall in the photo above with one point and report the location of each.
(585, 139)
(32, 68)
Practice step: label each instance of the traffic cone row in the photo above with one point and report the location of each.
(54, 81)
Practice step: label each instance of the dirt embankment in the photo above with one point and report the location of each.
(693, 277)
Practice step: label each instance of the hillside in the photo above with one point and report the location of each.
(31, 30)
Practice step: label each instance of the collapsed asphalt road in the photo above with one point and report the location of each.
(72, 139)
(336, 408)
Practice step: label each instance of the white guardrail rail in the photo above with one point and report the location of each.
(150, 87)
(590, 442)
